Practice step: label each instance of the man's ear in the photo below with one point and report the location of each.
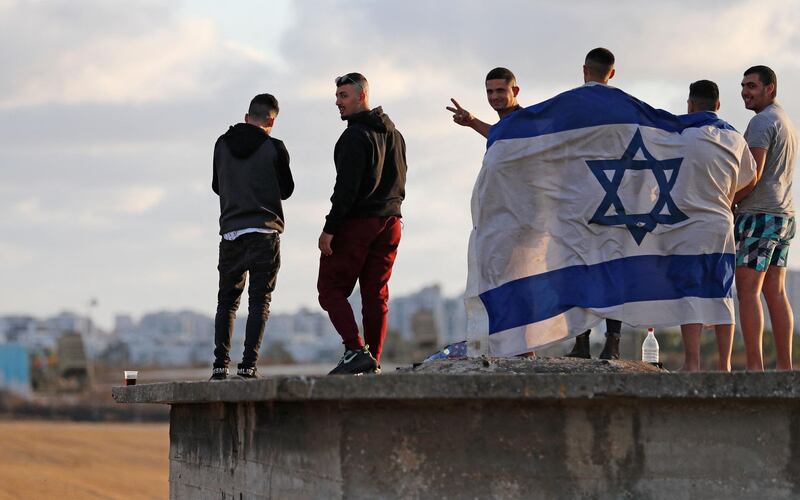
(515, 90)
(770, 89)
(613, 72)
(717, 108)
(271, 121)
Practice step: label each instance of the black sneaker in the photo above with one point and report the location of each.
(219, 373)
(246, 372)
(356, 363)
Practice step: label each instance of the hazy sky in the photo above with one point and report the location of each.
(109, 112)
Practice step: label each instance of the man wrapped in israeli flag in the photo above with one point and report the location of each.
(594, 205)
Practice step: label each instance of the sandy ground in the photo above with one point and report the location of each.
(83, 460)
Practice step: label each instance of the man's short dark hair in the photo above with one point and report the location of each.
(502, 74)
(600, 61)
(704, 94)
(356, 79)
(263, 107)
(766, 75)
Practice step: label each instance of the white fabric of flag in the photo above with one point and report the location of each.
(594, 205)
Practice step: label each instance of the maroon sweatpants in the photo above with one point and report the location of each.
(363, 250)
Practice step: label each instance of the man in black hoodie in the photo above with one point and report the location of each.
(362, 230)
(251, 177)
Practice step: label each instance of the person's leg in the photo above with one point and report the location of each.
(338, 274)
(751, 315)
(724, 335)
(691, 346)
(753, 252)
(232, 277)
(264, 261)
(780, 314)
(780, 310)
(374, 281)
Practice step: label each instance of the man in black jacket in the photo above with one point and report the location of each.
(251, 177)
(362, 230)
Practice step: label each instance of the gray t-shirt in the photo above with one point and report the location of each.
(772, 130)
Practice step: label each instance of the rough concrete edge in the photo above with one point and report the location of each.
(411, 387)
(201, 392)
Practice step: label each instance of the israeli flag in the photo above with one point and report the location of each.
(594, 205)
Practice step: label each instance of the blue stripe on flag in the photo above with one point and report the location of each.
(590, 106)
(629, 279)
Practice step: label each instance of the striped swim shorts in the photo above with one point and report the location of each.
(762, 240)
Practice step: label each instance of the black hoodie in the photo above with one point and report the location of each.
(370, 158)
(251, 177)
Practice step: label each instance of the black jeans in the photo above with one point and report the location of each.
(256, 253)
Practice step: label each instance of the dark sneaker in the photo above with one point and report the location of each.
(356, 363)
(219, 373)
(246, 372)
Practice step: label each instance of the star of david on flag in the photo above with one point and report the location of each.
(638, 224)
(593, 205)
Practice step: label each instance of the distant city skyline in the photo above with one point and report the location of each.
(420, 324)
(110, 112)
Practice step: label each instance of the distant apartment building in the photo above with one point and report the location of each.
(166, 338)
(42, 334)
(306, 335)
(402, 312)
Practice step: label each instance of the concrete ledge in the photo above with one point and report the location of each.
(474, 385)
(484, 428)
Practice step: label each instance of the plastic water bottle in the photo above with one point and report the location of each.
(650, 347)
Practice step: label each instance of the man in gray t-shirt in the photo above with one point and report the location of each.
(764, 223)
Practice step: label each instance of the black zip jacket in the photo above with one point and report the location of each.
(370, 158)
(251, 177)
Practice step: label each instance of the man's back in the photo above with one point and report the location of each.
(251, 176)
(716, 156)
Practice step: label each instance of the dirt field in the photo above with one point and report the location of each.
(83, 460)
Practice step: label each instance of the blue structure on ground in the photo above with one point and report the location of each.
(456, 350)
(15, 368)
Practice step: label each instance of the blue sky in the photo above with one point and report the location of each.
(109, 112)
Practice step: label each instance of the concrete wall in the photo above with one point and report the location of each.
(490, 449)
(643, 436)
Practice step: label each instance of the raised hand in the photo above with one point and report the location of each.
(460, 115)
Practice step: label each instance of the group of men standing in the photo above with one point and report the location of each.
(762, 209)
(362, 230)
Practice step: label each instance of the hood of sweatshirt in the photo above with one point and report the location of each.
(374, 119)
(244, 139)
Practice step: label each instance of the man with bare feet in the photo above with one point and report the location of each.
(764, 223)
(729, 165)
